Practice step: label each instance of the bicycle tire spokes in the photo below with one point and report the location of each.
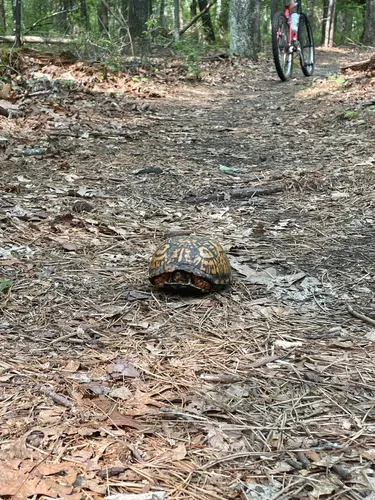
(286, 44)
(306, 46)
(282, 49)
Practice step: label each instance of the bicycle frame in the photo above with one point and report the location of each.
(294, 45)
(292, 36)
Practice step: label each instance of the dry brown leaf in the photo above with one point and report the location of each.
(6, 91)
(35, 478)
(122, 369)
(121, 393)
(72, 366)
(51, 416)
(114, 416)
(69, 246)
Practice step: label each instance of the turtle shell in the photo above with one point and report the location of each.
(189, 261)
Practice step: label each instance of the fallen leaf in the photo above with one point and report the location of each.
(122, 368)
(36, 478)
(69, 246)
(72, 366)
(114, 416)
(121, 393)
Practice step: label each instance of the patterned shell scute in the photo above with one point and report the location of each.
(197, 255)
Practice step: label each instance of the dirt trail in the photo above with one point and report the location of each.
(263, 391)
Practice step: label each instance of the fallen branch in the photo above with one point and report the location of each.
(368, 65)
(361, 316)
(237, 194)
(37, 39)
(193, 21)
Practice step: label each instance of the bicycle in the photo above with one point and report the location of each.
(292, 35)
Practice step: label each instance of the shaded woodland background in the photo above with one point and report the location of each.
(110, 29)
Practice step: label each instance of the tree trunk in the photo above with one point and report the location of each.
(193, 8)
(162, 20)
(206, 22)
(63, 21)
(176, 19)
(139, 12)
(330, 24)
(103, 18)
(224, 16)
(124, 9)
(244, 21)
(348, 23)
(17, 22)
(369, 30)
(85, 22)
(324, 20)
(311, 12)
(3, 22)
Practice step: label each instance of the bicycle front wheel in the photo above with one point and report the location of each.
(281, 47)
(307, 47)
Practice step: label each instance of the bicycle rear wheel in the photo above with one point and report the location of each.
(307, 46)
(282, 54)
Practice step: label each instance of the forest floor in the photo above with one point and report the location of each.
(263, 391)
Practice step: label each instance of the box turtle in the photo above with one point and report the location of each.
(190, 262)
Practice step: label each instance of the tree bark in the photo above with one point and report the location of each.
(224, 16)
(85, 21)
(176, 20)
(206, 21)
(139, 13)
(17, 22)
(3, 22)
(103, 18)
(329, 16)
(63, 20)
(369, 29)
(324, 20)
(162, 20)
(244, 21)
(311, 12)
(348, 23)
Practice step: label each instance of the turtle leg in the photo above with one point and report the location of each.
(200, 283)
(160, 281)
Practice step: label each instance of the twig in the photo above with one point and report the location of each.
(238, 194)
(361, 316)
(269, 359)
(151, 495)
(64, 337)
(61, 400)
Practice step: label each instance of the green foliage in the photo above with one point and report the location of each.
(349, 114)
(10, 61)
(338, 79)
(192, 52)
(68, 84)
(5, 285)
